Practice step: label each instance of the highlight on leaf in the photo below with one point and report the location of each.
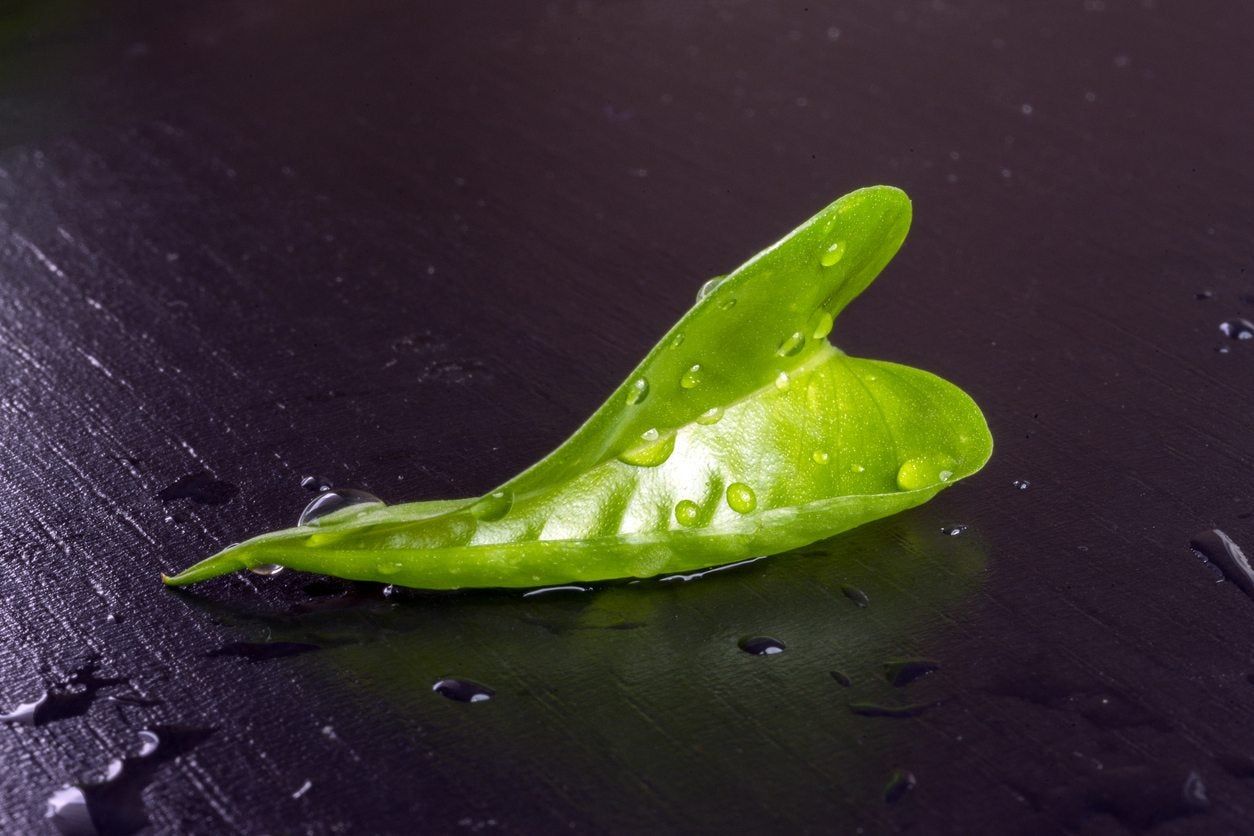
(743, 432)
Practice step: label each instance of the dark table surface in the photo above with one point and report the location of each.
(409, 249)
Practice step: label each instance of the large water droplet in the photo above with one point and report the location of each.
(741, 498)
(687, 512)
(709, 287)
(762, 645)
(833, 254)
(1219, 549)
(637, 391)
(655, 449)
(820, 324)
(921, 473)
(710, 416)
(1238, 329)
(463, 690)
(330, 502)
(691, 379)
(791, 345)
(494, 506)
(266, 569)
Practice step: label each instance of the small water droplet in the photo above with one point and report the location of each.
(201, 488)
(856, 595)
(1203, 295)
(462, 690)
(782, 381)
(841, 678)
(899, 784)
(1219, 549)
(330, 502)
(655, 449)
(897, 712)
(677, 341)
(833, 254)
(741, 498)
(762, 645)
(791, 345)
(266, 569)
(945, 475)
(1237, 329)
(691, 379)
(318, 484)
(687, 512)
(388, 567)
(637, 391)
(1022, 484)
(710, 416)
(901, 672)
(727, 304)
(856, 468)
(820, 457)
(820, 324)
(494, 506)
(953, 529)
(709, 287)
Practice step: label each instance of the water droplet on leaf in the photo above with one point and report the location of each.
(833, 254)
(782, 381)
(710, 416)
(687, 512)
(330, 502)
(820, 457)
(655, 450)
(494, 506)
(791, 345)
(820, 324)
(637, 391)
(266, 569)
(741, 498)
(709, 287)
(691, 378)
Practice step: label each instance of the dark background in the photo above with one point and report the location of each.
(409, 247)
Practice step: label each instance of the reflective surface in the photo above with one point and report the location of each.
(409, 251)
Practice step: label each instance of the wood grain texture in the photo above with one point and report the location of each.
(410, 249)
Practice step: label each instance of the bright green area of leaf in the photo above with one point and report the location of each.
(743, 432)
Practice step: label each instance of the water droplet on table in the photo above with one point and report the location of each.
(856, 595)
(953, 529)
(71, 697)
(332, 501)
(1219, 549)
(317, 484)
(115, 805)
(1022, 484)
(841, 678)
(201, 488)
(761, 645)
(899, 784)
(1237, 329)
(901, 672)
(462, 690)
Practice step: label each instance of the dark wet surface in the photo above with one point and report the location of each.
(408, 251)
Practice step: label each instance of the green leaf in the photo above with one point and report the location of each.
(743, 432)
